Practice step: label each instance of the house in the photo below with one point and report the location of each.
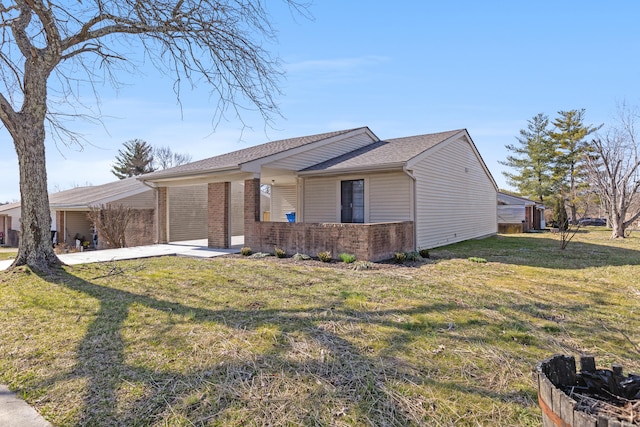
(518, 214)
(9, 218)
(348, 190)
(70, 208)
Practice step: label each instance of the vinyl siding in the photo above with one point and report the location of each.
(78, 223)
(320, 200)
(321, 154)
(188, 213)
(510, 214)
(387, 197)
(237, 208)
(283, 200)
(144, 200)
(455, 198)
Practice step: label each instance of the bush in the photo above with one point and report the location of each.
(280, 253)
(476, 259)
(413, 256)
(424, 253)
(246, 251)
(324, 256)
(399, 257)
(347, 258)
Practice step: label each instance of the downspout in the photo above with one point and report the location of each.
(414, 207)
(154, 187)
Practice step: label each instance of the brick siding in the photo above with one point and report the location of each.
(371, 242)
(219, 200)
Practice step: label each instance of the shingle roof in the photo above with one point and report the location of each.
(387, 152)
(239, 157)
(98, 194)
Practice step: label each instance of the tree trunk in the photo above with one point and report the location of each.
(36, 248)
(617, 228)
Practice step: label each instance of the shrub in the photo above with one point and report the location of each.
(280, 253)
(246, 251)
(347, 258)
(412, 256)
(476, 259)
(424, 253)
(324, 256)
(399, 257)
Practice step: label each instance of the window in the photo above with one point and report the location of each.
(352, 201)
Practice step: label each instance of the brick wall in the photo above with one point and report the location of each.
(141, 228)
(372, 242)
(218, 208)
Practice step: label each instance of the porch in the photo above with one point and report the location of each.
(367, 241)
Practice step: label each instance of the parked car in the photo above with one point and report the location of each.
(593, 221)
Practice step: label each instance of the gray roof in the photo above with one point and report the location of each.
(97, 194)
(388, 152)
(236, 158)
(511, 199)
(94, 195)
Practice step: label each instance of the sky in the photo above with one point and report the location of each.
(401, 68)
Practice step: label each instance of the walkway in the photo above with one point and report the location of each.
(191, 248)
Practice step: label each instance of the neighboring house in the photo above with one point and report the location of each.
(9, 219)
(69, 211)
(519, 215)
(350, 191)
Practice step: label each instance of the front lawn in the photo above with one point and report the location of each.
(236, 341)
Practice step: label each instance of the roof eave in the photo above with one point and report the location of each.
(361, 169)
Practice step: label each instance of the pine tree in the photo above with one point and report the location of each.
(135, 159)
(570, 171)
(532, 159)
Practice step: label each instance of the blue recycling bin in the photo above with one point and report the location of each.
(291, 216)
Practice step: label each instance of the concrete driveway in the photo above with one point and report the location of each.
(192, 248)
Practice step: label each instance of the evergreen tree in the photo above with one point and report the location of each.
(560, 217)
(135, 159)
(532, 159)
(570, 171)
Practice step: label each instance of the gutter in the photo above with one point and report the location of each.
(415, 205)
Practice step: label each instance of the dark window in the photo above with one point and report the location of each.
(352, 201)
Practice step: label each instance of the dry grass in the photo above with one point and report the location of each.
(237, 341)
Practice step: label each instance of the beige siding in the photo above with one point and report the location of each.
(455, 198)
(389, 197)
(145, 200)
(77, 223)
(187, 213)
(237, 208)
(320, 154)
(283, 200)
(320, 200)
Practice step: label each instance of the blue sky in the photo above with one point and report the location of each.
(402, 68)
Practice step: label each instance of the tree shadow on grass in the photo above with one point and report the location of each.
(353, 386)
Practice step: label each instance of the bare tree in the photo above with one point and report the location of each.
(614, 170)
(165, 158)
(111, 223)
(52, 51)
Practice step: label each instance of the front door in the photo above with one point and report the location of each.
(352, 201)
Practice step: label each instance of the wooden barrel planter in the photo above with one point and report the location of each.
(557, 375)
